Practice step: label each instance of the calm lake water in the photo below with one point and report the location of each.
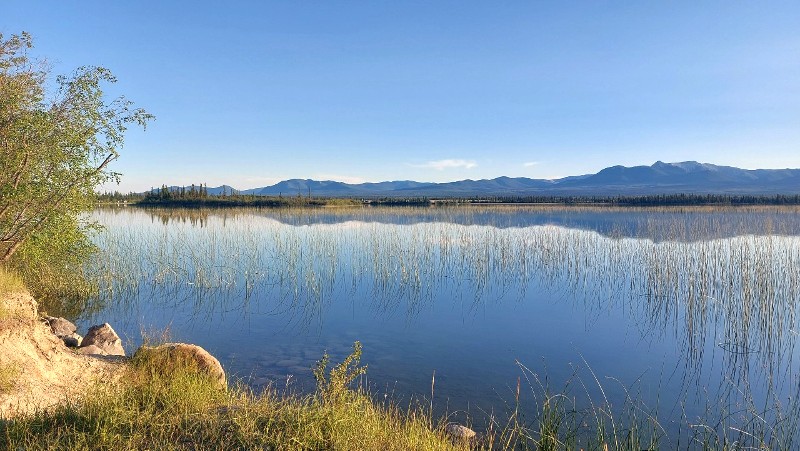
(685, 314)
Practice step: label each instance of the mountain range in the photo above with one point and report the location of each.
(688, 177)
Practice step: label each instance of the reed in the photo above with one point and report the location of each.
(709, 279)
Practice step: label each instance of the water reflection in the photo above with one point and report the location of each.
(653, 223)
(717, 286)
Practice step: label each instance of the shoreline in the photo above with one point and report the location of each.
(52, 397)
(671, 200)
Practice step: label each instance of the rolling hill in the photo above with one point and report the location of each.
(688, 177)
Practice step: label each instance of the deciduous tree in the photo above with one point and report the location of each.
(55, 147)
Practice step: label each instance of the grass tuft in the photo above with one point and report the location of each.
(10, 282)
(184, 410)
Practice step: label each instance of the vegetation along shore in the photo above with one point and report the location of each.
(197, 196)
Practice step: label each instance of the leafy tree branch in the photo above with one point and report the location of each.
(55, 150)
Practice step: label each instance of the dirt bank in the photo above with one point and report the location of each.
(39, 370)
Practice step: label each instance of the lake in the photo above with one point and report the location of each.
(687, 316)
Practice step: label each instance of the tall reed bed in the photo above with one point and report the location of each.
(705, 281)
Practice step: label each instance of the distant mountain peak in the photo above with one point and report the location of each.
(690, 177)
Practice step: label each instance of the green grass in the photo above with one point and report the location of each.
(60, 291)
(185, 410)
(10, 282)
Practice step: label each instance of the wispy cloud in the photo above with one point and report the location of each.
(530, 164)
(441, 165)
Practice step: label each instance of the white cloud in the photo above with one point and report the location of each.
(441, 165)
(530, 164)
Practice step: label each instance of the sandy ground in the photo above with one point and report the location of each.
(47, 372)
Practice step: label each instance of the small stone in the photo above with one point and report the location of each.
(60, 326)
(104, 337)
(458, 432)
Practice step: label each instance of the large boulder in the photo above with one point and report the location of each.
(102, 337)
(60, 326)
(170, 356)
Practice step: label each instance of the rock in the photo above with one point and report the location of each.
(61, 327)
(91, 350)
(104, 337)
(72, 341)
(172, 354)
(459, 433)
(64, 330)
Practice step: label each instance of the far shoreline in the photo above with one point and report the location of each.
(175, 200)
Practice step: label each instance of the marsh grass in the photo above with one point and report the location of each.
(51, 264)
(578, 415)
(66, 291)
(568, 417)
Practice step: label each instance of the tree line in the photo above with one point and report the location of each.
(198, 196)
(655, 200)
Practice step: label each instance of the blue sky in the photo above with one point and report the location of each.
(251, 93)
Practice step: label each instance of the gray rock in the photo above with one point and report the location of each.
(170, 355)
(104, 337)
(459, 433)
(60, 327)
(72, 341)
